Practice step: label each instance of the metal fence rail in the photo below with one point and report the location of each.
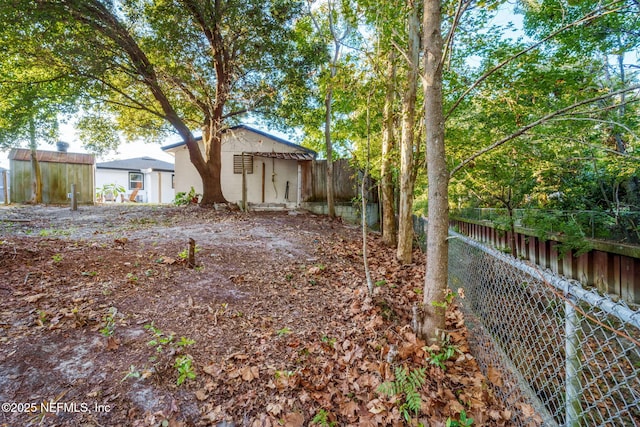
(571, 355)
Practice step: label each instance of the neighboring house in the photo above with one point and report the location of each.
(273, 167)
(59, 170)
(152, 178)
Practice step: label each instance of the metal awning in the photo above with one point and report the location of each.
(284, 156)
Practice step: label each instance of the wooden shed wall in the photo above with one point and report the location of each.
(56, 182)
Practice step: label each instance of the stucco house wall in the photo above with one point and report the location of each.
(270, 176)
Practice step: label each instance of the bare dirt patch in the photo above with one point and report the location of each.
(101, 319)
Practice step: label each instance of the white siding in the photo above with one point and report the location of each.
(156, 184)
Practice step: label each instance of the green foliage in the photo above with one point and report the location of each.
(57, 258)
(322, 419)
(462, 422)
(133, 373)
(184, 254)
(109, 191)
(160, 339)
(184, 199)
(109, 322)
(444, 353)
(284, 331)
(406, 386)
(558, 225)
(184, 365)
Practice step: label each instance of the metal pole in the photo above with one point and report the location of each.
(572, 365)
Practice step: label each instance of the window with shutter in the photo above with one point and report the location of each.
(237, 163)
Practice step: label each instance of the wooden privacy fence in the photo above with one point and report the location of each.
(59, 170)
(610, 267)
(346, 182)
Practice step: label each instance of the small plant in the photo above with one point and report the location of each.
(322, 419)
(57, 258)
(42, 317)
(438, 357)
(406, 386)
(160, 340)
(448, 299)
(109, 322)
(329, 341)
(185, 253)
(133, 373)
(288, 277)
(184, 199)
(284, 331)
(109, 192)
(184, 365)
(184, 342)
(462, 422)
(132, 278)
(381, 283)
(90, 273)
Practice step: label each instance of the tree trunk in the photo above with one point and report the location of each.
(211, 169)
(36, 174)
(389, 234)
(405, 216)
(329, 147)
(437, 174)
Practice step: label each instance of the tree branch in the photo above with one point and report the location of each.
(589, 17)
(544, 119)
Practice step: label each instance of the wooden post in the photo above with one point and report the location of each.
(4, 187)
(74, 198)
(244, 185)
(263, 179)
(191, 261)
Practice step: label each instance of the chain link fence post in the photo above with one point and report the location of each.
(572, 366)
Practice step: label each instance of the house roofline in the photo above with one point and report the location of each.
(254, 130)
(134, 169)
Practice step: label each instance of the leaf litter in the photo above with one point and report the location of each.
(284, 331)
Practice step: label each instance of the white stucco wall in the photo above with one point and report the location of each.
(277, 171)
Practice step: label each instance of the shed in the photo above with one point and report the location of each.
(59, 170)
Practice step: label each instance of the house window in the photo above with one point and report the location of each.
(237, 163)
(173, 180)
(136, 180)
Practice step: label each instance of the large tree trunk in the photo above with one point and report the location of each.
(437, 174)
(101, 19)
(329, 147)
(210, 167)
(405, 216)
(36, 174)
(389, 234)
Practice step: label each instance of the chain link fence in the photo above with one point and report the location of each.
(557, 354)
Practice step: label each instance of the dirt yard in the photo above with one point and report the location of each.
(102, 323)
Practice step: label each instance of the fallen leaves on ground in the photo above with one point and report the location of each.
(285, 332)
